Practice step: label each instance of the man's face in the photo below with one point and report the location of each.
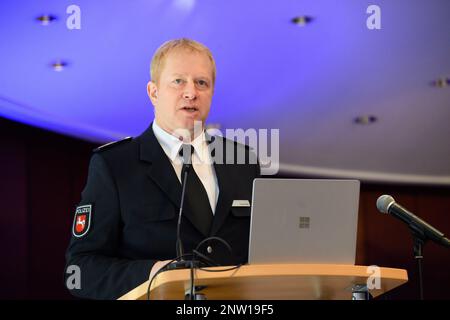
(184, 91)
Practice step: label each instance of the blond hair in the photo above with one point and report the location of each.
(162, 52)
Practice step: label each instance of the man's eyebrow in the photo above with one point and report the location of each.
(202, 77)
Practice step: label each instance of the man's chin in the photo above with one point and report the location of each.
(191, 124)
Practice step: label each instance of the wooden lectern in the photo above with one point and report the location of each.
(274, 282)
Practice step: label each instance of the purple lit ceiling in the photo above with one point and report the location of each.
(310, 82)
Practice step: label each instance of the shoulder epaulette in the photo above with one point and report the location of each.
(113, 143)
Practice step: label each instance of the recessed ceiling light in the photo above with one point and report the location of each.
(441, 82)
(366, 119)
(46, 19)
(59, 65)
(301, 20)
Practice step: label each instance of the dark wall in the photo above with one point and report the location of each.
(385, 241)
(41, 178)
(42, 175)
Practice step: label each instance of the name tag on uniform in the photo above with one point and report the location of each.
(241, 203)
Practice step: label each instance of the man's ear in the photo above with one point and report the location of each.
(152, 91)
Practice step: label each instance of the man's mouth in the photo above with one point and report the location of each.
(190, 108)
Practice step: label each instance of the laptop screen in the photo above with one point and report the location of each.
(304, 221)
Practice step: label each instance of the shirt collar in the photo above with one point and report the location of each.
(171, 144)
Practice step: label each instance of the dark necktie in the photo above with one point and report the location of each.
(196, 195)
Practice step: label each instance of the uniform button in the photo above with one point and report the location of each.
(209, 249)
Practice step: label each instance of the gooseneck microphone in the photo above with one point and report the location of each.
(186, 154)
(387, 204)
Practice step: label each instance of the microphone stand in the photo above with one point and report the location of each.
(419, 239)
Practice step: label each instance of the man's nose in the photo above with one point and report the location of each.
(190, 91)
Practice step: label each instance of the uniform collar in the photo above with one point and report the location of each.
(171, 144)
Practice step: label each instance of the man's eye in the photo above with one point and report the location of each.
(202, 83)
(178, 81)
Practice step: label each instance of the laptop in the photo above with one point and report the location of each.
(308, 221)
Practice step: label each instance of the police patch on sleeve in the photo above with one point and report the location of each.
(82, 220)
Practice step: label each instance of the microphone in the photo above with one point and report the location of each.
(186, 154)
(387, 204)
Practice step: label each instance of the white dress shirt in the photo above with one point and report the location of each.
(201, 160)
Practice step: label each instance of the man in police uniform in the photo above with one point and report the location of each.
(125, 227)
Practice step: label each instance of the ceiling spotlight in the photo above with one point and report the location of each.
(301, 20)
(367, 119)
(441, 82)
(45, 19)
(59, 65)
